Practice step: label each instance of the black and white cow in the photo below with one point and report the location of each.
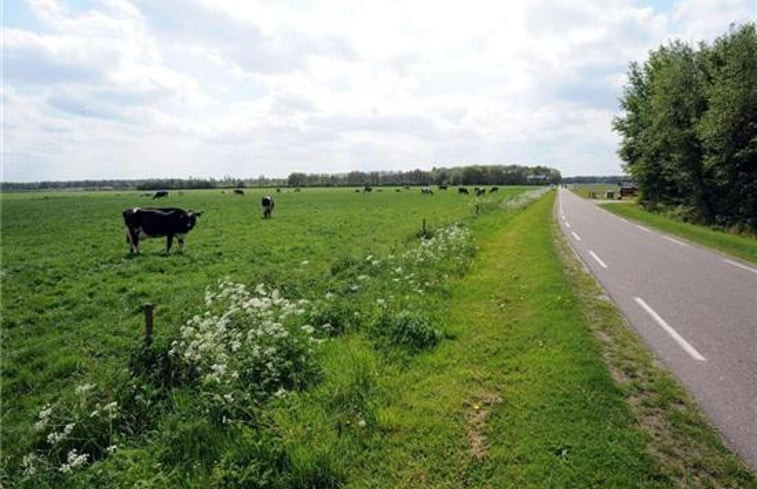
(239, 191)
(160, 194)
(267, 203)
(462, 190)
(143, 223)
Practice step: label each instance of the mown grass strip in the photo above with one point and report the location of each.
(740, 246)
(521, 397)
(689, 452)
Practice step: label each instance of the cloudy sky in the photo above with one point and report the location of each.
(214, 88)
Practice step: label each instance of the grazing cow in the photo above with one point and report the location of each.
(278, 190)
(480, 191)
(160, 194)
(239, 191)
(493, 189)
(462, 190)
(396, 190)
(367, 189)
(426, 190)
(297, 189)
(442, 187)
(267, 203)
(158, 222)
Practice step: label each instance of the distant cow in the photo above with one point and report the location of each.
(160, 194)
(158, 222)
(267, 203)
(239, 191)
(427, 190)
(462, 190)
(367, 189)
(493, 189)
(442, 187)
(480, 191)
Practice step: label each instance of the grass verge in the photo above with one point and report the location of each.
(521, 397)
(740, 246)
(688, 451)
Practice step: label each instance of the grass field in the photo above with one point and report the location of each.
(369, 357)
(741, 246)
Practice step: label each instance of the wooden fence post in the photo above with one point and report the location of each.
(148, 323)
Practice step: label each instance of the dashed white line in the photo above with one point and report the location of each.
(567, 224)
(578, 238)
(676, 241)
(642, 227)
(737, 264)
(563, 217)
(598, 259)
(672, 332)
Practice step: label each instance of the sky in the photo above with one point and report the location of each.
(112, 89)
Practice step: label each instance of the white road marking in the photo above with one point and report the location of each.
(578, 238)
(567, 224)
(642, 227)
(672, 332)
(676, 241)
(737, 264)
(599, 260)
(563, 217)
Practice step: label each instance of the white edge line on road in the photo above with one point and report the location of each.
(737, 264)
(672, 332)
(598, 259)
(676, 241)
(567, 224)
(578, 238)
(642, 227)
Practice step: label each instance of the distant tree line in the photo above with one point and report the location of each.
(463, 175)
(459, 175)
(689, 129)
(597, 179)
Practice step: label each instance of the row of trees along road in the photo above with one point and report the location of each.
(689, 129)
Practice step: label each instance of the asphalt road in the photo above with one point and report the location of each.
(695, 308)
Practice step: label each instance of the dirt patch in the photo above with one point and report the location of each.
(478, 411)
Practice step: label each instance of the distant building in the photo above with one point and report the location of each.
(626, 188)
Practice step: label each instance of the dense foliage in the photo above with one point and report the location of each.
(461, 175)
(689, 129)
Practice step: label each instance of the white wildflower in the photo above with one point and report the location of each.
(29, 463)
(84, 388)
(304, 262)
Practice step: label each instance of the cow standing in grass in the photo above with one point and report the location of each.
(160, 194)
(267, 203)
(154, 223)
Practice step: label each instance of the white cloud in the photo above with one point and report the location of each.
(220, 87)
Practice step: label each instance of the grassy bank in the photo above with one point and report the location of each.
(742, 247)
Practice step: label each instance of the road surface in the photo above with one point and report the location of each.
(695, 308)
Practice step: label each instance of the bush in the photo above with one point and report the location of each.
(408, 330)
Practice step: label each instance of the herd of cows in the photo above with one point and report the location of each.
(173, 222)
